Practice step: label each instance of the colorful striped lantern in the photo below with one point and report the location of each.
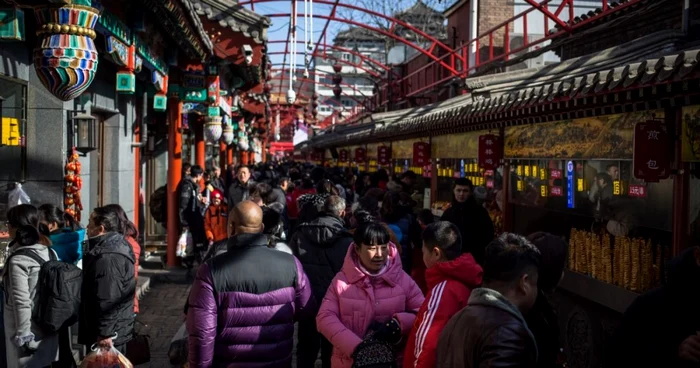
(227, 135)
(66, 58)
(212, 129)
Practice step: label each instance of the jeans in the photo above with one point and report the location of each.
(309, 343)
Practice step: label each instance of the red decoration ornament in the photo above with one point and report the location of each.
(337, 91)
(314, 112)
(384, 155)
(267, 87)
(337, 67)
(421, 153)
(343, 155)
(337, 79)
(360, 155)
(73, 183)
(651, 156)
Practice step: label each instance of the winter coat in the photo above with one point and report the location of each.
(189, 211)
(450, 284)
(657, 322)
(20, 284)
(278, 195)
(489, 332)
(238, 192)
(216, 223)
(109, 285)
(475, 225)
(243, 305)
(136, 248)
(355, 300)
(543, 321)
(68, 244)
(321, 246)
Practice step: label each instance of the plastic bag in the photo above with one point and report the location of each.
(185, 245)
(101, 358)
(17, 196)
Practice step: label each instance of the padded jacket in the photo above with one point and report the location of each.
(356, 299)
(490, 332)
(243, 305)
(216, 223)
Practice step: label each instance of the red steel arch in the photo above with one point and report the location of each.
(321, 73)
(283, 78)
(358, 66)
(363, 58)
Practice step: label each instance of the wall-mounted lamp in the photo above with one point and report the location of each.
(248, 53)
(82, 131)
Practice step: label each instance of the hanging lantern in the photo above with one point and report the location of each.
(66, 58)
(267, 87)
(314, 113)
(306, 109)
(314, 104)
(314, 96)
(227, 134)
(337, 67)
(337, 78)
(337, 91)
(212, 129)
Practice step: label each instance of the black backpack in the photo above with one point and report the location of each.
(58, 291)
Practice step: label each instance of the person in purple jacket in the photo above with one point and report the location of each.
(244, 302)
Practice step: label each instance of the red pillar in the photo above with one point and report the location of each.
(229, 156)
(174, 175)
(199, 144)
(222, 156)
(244, 157)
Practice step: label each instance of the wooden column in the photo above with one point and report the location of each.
(229, 156)
(223, 156)
(199, 147)
(174, 176)
(244, 157)
(681, 181)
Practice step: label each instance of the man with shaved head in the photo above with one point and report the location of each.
(244, 302)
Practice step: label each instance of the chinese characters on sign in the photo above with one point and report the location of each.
(343, 155)
(384, 155)
(556, 192)
(652, 152)
(570, 187)
(637, 191)
(555, 174)
(421, 153)
(360, 155)
(490, 151)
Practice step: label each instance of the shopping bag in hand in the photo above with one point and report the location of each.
(184, 244)
(106, 358)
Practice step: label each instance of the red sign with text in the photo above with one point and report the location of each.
(556, 174)
(651, 157)
(639, 191)
(490, 151)
(556, 191)
(360, 155)
(421, 153)
(343, 155)
(384, 156)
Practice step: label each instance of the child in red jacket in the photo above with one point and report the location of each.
(450, 277)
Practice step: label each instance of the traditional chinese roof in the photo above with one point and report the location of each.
(231, 15)
(178, 19)
(357, 34)
(647, 61)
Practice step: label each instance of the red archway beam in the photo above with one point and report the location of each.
(342, 49)
(322, 84)
(435, 43)
(320, 73)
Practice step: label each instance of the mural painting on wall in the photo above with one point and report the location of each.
(691, 133)
(464, 145)
(608, 136)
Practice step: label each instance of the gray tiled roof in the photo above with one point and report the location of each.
(645, 61)
(239, 19)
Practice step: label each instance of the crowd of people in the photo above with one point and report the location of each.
(370, 279)
(104, 299)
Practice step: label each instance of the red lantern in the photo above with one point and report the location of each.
(337, 67)
(267, 87)
(314, 112)
(337, 78)
(337, 91)
(314, 104)
(315, 96)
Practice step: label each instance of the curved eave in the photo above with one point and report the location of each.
(235, 17)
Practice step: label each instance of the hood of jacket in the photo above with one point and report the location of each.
(247, 240)
(352, 270)
(111, 242)
(324, 231)
(463, 269)
(67, 236)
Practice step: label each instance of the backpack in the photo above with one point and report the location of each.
(58, 292)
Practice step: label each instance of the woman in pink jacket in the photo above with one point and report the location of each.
(371, 292)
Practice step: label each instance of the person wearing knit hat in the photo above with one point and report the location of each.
(216, 218)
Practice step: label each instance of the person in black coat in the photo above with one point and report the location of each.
(321, 246)
(660, 328)
(542, 318)
(472, 220)
(238, 190)
(109, 284)
(189, 210)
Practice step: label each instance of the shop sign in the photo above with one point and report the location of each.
(556, 192)
(555, 174)
(543, 174)
(360, 155)
(651, 159)
(489, 184)
(490, 151)
(421, 153)
(461, 169)
(428, 171)
(343, 155)
(405, 165)
(570, 185)
(384, 155)
(544, 191)
(638, 191)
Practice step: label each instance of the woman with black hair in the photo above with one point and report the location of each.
(130, 233)
(26, 344)
(371, 300)
(109, 284)
(66, 234)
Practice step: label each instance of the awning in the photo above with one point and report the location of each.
(285, 147)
